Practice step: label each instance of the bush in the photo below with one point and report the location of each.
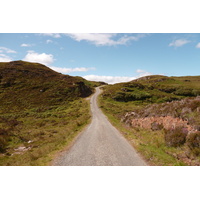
(175, 137)
(13, 122)
(185, 92)
(193, 142)
(131, 96)
(194, 104)
(156, 126)
(3, 140)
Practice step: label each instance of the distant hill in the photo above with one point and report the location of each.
(155, 89)
(25, 85)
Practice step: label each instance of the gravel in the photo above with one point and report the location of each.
(100, 144)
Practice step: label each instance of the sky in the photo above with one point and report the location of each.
(108, 57)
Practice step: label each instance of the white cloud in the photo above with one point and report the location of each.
(117, 79)
(198, 45)
(5, 58)
(69, 70)
(25, 45)
(99, 39)
(107, 39)
(49, 41)
(109, 79)
(43, 58)
(179, 42)
(7, 50)
(142, 73)
(54, 35)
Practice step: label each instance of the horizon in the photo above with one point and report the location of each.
(106, 57)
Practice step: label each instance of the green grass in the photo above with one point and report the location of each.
(26, 85)
(41, 111)
(151, 144)
(154, 89)
(44, 133)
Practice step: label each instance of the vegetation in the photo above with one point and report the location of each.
(158, 97)
(193, 142)
(154, 89)
(175, 137)
(41, 111)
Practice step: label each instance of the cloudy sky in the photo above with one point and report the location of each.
(109, 57)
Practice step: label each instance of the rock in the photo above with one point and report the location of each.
(21, 149)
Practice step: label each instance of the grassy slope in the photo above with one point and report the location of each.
(40, 112)
(119, 99)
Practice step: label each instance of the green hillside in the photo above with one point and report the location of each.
(40, 111)
(154, 89)
(143, 108)
(26, 85)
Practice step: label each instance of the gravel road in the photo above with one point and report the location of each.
(100, 144)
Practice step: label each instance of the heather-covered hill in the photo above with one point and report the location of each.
(154, 89)
(25, 85)
(41, 111)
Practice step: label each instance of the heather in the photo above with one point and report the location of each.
(41, 112)
(159, 115)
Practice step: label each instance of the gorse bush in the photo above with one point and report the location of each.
(193, 142)
(175, 137)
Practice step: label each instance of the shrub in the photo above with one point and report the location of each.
(184, 92)
(156, 126)
(13, 123)
(175, 137)
(193, 142)
(194, 104)
(3, 140)
(3, 132)
(131, 96)
(196, 92)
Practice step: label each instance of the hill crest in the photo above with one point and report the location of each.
(32, 84)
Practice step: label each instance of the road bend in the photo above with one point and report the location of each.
(101, 144)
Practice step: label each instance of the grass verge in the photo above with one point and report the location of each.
(150, 144)
(37, 135)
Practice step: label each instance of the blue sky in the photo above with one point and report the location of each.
(108, 57)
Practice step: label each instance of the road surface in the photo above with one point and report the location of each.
(100, 144)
